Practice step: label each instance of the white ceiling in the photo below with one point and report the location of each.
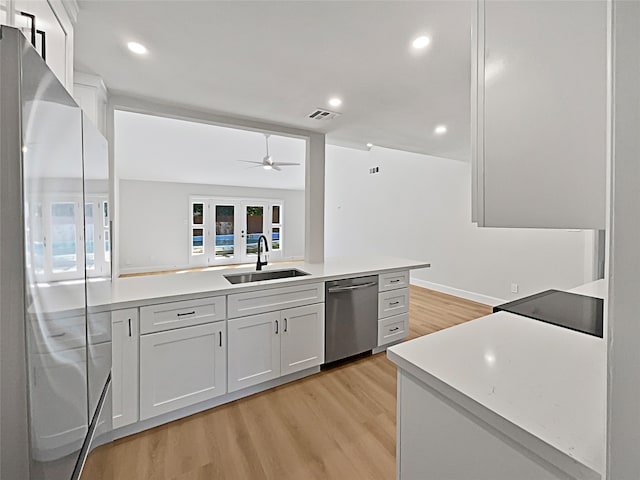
(277, 61)
(169, 150)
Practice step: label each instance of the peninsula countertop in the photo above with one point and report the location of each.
(136, 291)
(544, 380)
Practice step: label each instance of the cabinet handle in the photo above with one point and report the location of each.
(43, 49)
(220, 334)
(391, 304)
(33, 26)
(185, 314)
(129, 327)
(276, 327)
(58, 335)
(395, 281)
(285, 325)
(394, 329)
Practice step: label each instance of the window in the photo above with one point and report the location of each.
(226, 230)
(276, 227)
(197, 228)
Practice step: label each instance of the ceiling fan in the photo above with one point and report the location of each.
(267, 162)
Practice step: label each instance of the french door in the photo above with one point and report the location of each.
(226, 231)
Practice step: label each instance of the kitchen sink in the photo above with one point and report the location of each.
(261, 276)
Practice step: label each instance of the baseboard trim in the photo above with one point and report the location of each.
(475, 297)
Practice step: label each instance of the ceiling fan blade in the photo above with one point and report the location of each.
(285, 164)
(275, 167)
(249, 161)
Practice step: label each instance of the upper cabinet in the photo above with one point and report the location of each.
(48, 25)
(539, 114)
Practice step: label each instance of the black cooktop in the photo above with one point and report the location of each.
(569, 310)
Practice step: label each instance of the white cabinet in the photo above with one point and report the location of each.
(182, 367)
(393, 329)
(429, 425)
(393, 280)
(124, 369)
(254, 350)
(167, 316)
(539, 114)
(54, 22)
(393, 307)
(302, 340)
(265, 346)
(393, 302)
(272, 299)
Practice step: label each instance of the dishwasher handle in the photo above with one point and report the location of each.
(354, 287)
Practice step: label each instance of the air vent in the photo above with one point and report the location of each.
(320, 114)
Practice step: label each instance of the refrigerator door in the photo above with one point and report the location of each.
(55, 300)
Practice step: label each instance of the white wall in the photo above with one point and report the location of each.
(154, 216)
(420, 207)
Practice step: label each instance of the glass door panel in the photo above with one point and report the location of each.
(254, 216)
(225, 231)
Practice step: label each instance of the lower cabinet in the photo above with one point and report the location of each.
(266, 346)
(124, 367)
(182, 367)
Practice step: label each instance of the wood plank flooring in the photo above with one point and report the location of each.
(338, 424)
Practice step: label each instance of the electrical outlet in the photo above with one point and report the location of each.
(514, 288)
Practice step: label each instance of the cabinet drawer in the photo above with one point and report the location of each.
(272, 299)
(167, 316)
(393, 329)
(393, 302)
(393, 280)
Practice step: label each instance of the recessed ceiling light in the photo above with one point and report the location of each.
(421, 42)
(440, 129)
(136, 47)
(335, 102)
(369, 145)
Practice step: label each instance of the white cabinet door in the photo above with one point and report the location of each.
(254, 350)
(540, 139)
(55, 35)
(181, 367)
(124, 370)
(302, 341)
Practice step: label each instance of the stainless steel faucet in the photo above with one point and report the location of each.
(260, 263)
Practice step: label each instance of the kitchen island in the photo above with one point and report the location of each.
(502, 397)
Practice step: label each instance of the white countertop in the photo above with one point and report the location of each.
(546, 380)
(144, 290)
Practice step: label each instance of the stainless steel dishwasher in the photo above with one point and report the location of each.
(351, 322)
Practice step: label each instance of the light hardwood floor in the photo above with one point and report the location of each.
(338, 424)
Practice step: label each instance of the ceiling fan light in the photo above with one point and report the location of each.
(267, 167)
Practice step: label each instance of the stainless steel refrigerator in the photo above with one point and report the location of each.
(55, 331)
